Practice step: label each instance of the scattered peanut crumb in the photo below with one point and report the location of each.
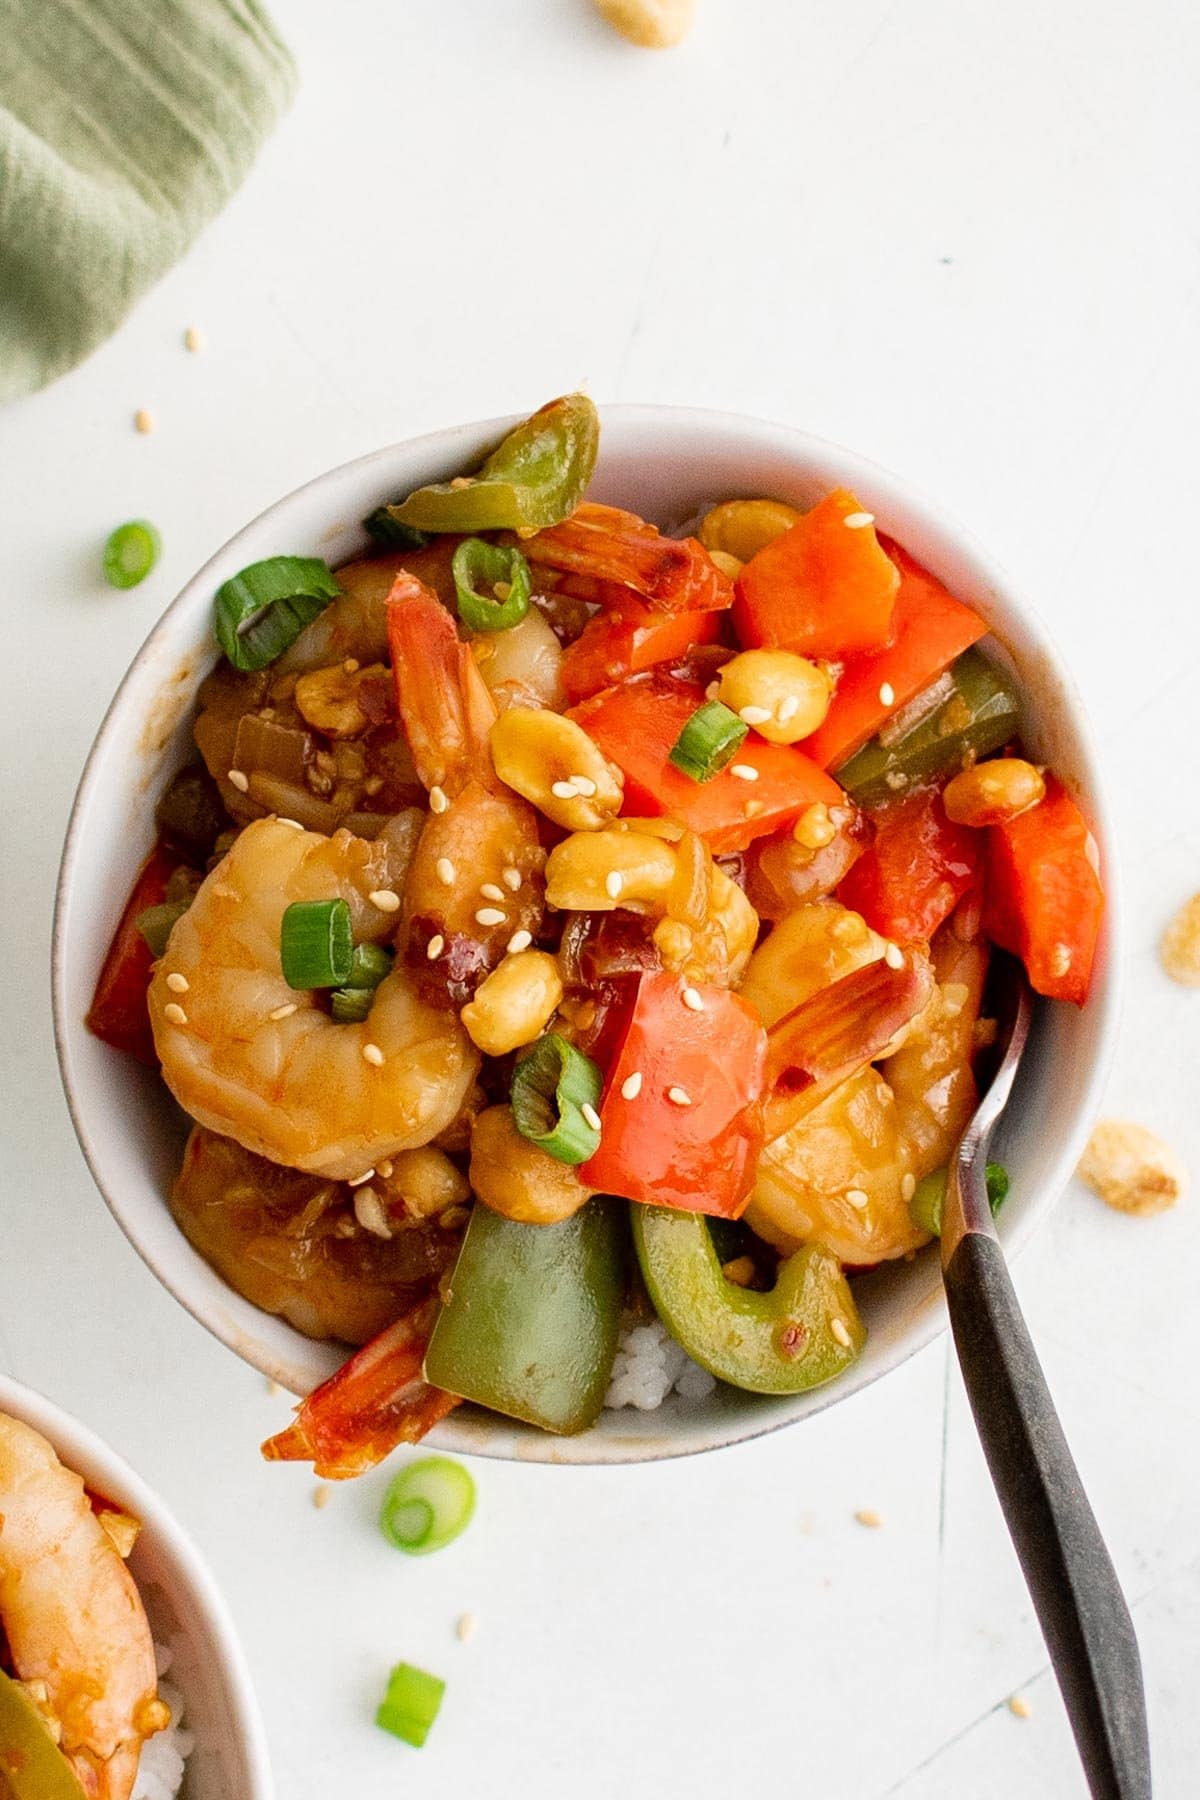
(1180, 946)
(322, 1495)
(466, 1627)
(740, 1271)
(273, 1387)
(1019, 1706)
(866, 1515)
(652, 24)
(144, 421)
(1131, 1169)
(193, 338)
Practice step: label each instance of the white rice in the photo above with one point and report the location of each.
(649, 1365)
(161, 1769)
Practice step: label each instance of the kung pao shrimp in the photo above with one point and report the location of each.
(542, 873)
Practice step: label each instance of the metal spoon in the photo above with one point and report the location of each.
(1069, 1573)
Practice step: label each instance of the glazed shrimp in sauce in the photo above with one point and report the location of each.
(73, 1617)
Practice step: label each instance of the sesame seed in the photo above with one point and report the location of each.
(679, 1096)
(1019, 1706)
(358, 1180)
(461, 481)
(692, 1000)
(896, 779)
(351, 666)
(789, 706)
(489, 915)
(908, 1186)
(193, 338)
(613, 883)
(322, 1496)
(446, 871)
(520, 940)
(744, 771)
(175, 1013)
(631, 1087)
(178, 984)
(239, 781)
(754, 715)
(1060, 959)
(887, 694)
(372, 785)
(294, 824)
(144, 421)
(465, 1629)
(437, 800)
(856, 521)
(563, 790)
(858, 1198)
(386, 899)
(591, 1115)
(866, 1515)
(838, 1328)
(373, 1054)
(512, 880)
(752, 808)
(584, 785)
(893, 956)
(284, 1012)
(435, 946)
(490, 891)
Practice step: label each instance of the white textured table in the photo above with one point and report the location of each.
(962, 239)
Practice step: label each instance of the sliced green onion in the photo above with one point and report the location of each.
(411, 1704)
(925, 1207)
(263, 610)
(157, 923)
(428, 1504)
(350, 1006)
(368, 966)
(480, 569)
(710, 738)
(316, 944)
(385, 530)
(130, 553)
(550, 1088)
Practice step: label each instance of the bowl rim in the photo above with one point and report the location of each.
(482, 1436)
(82, 1450)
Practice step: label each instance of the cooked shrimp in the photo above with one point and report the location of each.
(266, 1065)
(844, 1174)
(476, 877)
(355, 624)
(73, 1617)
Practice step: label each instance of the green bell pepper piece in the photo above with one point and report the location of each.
(925, 1207)
(781, 1342)
(530, 1321)
(980, 715)
(535, 478)
(32, 1767)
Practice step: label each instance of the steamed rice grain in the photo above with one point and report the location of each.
(649, 1365)
(161, 1768)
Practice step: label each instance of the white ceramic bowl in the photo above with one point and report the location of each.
(184, 1608)
(665, 463)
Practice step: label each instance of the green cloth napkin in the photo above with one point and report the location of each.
(125, 125)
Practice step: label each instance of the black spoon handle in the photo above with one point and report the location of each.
(1070, 1576)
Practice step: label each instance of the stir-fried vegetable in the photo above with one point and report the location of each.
(316, 944)
(1042, 894)
(929, 1197)
(534, 478)
(118, 1011)
(916, 869)
(411, 1704)
(802, 1333)
(972, 710)
(32, 1767)
(616, 645)
(130, 553)
(710, 739)
(530, 1320)
(428, 1505)
(492, 584)
(260, 612)
(824, 588)
(554, 1093)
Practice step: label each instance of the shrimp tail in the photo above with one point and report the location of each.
(443, 700)
(613, 547)
(374, 1402)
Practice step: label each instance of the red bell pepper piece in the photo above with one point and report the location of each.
(670, 574)
(119, 1014)
(823, 588)
(636, 726)
(690, 1134)
(375, 1401)
(929, 629)
(1043, 899)
(614, 646)
(917, 869)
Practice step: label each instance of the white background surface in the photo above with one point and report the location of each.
(961, 238)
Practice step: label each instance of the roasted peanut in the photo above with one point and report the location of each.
(512, 1005)
(418, 1184)
(1180, 948)
(554, 763)
(330, 699)
(651, 24)
(1131, 1169)
(782, 696)
(988, 793)
(518, 1180)
(744, 527)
